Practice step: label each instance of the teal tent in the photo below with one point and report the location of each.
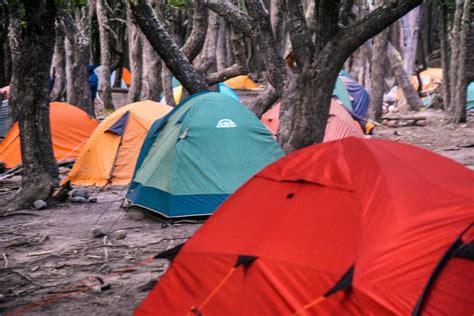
(470, 96)
(199, 154)
(340, 91)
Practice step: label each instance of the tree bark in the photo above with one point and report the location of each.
(403, 79)
(135, 49)
(454, 48)
(459, 101)
(445, 54)
(151, 84)
(58, 71)
(32, 41)
(377, 75)
(77, 47)
(169, 52)
(333, 47)
(221, 49)
(195, 42)
(167, 86)
(105, 89)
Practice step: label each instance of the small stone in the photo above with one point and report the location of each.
(120, 234)
(2, 297)
(40, 204)
(97, 232)
(93, 200)
(78, 199)
(80, 192)
(96, 289)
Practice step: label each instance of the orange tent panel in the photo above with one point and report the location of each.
(243, 82)
(340, 123)
(109, 157)
(70, 128)
(126, 76)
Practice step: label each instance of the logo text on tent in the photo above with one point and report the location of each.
(225, 123)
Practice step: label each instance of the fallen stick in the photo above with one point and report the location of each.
(403, 118)
(5, 259)
(27, 277)
(35, 254)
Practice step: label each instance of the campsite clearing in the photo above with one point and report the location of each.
(50, 253)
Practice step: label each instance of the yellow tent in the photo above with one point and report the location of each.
(111, 152)
(243, 82)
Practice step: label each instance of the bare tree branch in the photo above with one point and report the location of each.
(196, 39)
(169, 52)
(233, 15)
(303, 47)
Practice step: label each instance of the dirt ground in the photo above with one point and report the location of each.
(51, 264)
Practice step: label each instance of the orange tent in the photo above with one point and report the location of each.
(126, 76)
(243, 82)
(110, 155)
(70, 128)
(349, 227)
(340, 123)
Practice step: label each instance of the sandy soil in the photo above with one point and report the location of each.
(52, 265)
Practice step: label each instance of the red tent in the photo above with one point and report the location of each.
(348, 227)
(340, 123)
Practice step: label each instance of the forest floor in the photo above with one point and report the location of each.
(50, 263)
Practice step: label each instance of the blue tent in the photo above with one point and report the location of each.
(359, 95)
(5, 118)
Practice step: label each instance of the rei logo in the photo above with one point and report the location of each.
(226, 123)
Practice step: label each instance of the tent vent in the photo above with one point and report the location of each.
(244, 261)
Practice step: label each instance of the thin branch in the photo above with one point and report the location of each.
(303, 46)
(196, 39)
(233, 15)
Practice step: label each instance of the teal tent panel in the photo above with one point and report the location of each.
(225, 89)
(170, 205)
(342, 94)
(202, 151)
(470, 96)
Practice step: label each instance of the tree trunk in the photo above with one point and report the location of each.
(104, 91)
(58, 71)
(409, 29)
(304, 117)
(167, 86)
(209, 59)
(445, 56)
(278, 24)
(135, 50)
(151, 84)
(460, 85)
(77, 46)
(221, 49)
(32, 41)
(4, 80)
(377, 75)
(454, 48)
(404, 83)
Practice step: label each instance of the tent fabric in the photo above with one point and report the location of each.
(5, 118)
(243, 82)
(197, 155)
(70, 128)
(470, 96)
(359, 96)
(373, 206)
(126, 77)
(340, 123)
(340, 92)
(110, 154)
(222, 88)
